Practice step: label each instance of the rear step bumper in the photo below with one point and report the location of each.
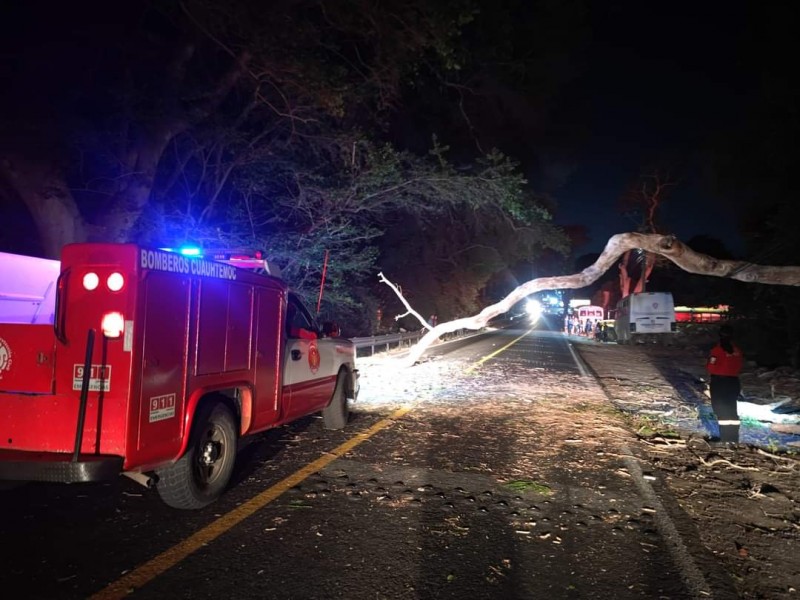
(57, 467)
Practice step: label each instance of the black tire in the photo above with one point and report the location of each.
(336, 414)
(200, 476)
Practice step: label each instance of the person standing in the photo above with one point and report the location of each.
(724, 365)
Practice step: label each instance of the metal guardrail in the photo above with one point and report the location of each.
(384, 343)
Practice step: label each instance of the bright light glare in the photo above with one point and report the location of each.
(115, 282)
(90, 281)
(190, 251)
(113, 324)
(534, 309)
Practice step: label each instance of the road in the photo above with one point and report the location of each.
(490, 471)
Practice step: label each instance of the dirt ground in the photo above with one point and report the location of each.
(744, 501)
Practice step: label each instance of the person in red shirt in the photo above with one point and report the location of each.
(724, 365)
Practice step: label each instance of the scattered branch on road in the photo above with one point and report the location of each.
(794, 463)
(722, 461)
(663, 441)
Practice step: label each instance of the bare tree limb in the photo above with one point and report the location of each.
(399, 294)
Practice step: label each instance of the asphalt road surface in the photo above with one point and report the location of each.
(453, 490)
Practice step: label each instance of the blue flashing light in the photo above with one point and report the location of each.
(190, 251)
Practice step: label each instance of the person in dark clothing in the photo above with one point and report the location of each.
(724, 365)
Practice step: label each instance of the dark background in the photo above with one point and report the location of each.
(587, 96)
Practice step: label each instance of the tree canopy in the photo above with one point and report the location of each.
(240, 125)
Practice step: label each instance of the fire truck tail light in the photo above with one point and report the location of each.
(113, 324)
(90, 281)
(115, 282)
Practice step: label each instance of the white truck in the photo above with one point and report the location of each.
(640, 316)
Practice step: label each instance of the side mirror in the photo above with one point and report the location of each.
(330, 329)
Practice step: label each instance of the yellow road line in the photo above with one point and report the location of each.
(169, 558)
(474, 366)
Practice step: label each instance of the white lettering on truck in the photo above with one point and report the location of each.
(162, 407)
(99, 378)
(175, 263)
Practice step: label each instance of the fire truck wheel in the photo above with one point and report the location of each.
(338, 411)
(199, 477)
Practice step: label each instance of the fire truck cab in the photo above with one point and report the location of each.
(153, 364)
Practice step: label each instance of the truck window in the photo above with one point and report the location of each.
(299, 323)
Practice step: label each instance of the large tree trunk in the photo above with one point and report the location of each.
(142, 159)
(134, 192)
(43, 190)
(624, 276)
(667, 246)
(647, 269)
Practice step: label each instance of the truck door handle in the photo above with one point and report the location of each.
(296, 354)
(60, 318)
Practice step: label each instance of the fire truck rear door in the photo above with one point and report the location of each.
(268, 345)
(166, 324)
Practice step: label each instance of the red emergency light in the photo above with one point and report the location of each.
(115, 282)
(90, 281)
(113, 324)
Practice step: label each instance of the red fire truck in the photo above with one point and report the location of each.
(152, 364)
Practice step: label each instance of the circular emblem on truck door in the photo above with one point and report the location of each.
(313, 357)
(5, 357)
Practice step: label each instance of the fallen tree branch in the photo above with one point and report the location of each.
(665, 245)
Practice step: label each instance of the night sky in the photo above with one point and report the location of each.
(661, 81)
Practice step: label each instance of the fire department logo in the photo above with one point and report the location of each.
(5, 357)
(313, 358)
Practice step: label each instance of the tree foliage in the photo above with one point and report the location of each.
(236, 124)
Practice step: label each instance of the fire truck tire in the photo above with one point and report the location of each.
(336, 414)
(200, 476)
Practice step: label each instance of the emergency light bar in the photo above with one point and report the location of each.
(253, 260)
(244, 259)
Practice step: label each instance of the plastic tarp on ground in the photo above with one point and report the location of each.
(751, 410)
